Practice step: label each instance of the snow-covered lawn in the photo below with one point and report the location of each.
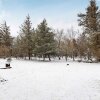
(29, 80)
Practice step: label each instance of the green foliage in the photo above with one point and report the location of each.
(26, 34)
(44, 43)
(6, 40)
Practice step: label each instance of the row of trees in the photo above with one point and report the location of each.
(47, 42)
(38, 42)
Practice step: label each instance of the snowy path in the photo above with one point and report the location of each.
(29, 80)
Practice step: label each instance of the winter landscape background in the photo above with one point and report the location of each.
(54, 54)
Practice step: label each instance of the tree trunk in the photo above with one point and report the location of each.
(43, 57)
(49, 57)
(66, 57)
(29, 55)
(59, 58)
(98, 59)
(73, 57)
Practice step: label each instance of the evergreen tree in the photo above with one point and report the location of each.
(91, 22)
(26, 36)
(5, 39)
(45, 43)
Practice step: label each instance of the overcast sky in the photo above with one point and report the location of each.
(61, 14)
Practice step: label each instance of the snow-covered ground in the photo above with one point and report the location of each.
(30, 80)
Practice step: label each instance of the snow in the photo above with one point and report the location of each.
(31, 80)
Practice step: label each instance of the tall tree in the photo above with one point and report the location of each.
(26, 36)
(91, 21)
(6, 39)
(45, 43)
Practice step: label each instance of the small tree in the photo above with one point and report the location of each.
(72, 43)
(59, 39)
(82, 45)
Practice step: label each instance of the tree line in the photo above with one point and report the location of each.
(45, 42)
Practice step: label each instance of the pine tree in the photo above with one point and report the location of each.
(91, 22)
(6, 39)
(45, 43)
(26, 36)
(95, 45)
